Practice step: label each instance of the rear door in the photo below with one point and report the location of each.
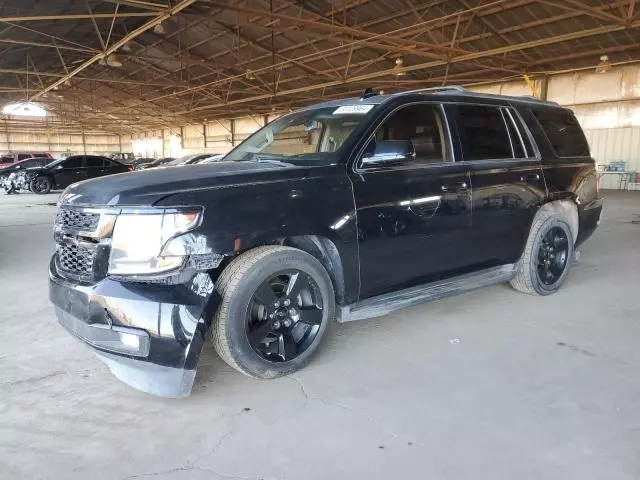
(507, 182)
(111, 167)
(413, 217)
(95, 166)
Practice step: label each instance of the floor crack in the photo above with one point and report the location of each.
(347, 408)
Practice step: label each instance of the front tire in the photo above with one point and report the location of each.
(40, 185)
(278, 305)
(547, 257)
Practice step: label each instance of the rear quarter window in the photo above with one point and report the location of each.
(563, 132)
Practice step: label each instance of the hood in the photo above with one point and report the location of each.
(146, 187)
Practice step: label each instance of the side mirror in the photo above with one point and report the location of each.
(389, 152)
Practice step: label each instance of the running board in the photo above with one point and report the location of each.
(390, 302)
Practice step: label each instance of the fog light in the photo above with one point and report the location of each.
(130, 340)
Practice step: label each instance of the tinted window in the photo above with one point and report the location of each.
(564, 132)
(73, 162)
(94, 162)
(32, 162)
(483, 133)
(22, 156)
(6, 159)
(422, 126)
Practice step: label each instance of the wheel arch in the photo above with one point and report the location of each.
(567, 207)
(326, 252)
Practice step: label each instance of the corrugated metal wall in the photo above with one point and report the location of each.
(62, 143)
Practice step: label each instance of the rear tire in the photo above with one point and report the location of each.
(267, 286)
(40, 185)
(547, 257)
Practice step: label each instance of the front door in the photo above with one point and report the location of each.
(506, 179)
(414, 214)
(70, 171)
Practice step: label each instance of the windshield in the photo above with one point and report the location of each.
(56, 162)
(309, 136)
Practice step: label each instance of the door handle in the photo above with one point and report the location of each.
(454, 186)
(530, 177)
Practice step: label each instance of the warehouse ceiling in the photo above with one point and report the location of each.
(135, 65)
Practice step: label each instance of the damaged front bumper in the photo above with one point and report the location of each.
(150, 335)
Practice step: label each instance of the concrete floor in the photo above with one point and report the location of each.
(493, 384)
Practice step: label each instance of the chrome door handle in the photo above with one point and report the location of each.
(532, 177)
(454, 186)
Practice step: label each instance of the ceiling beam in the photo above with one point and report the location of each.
(18, 71)
(427, 65)
(515, 28)
(46, 45)
(113, 48)
(158, 7)
(390, 38)
(73, 16)
(584, 9)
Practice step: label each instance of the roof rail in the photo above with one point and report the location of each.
(457, 88)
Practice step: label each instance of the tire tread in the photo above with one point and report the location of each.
(228, 283)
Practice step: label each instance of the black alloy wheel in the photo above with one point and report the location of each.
(40, 185)
(284, 316)
(553, 256)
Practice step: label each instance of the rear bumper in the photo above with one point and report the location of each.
(588, 219)
(149, 335)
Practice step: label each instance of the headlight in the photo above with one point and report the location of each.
(144, 243)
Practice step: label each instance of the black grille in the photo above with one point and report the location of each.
(76, 259)
(72, 219)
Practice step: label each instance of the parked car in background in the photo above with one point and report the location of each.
(29, 163)
(211, 159)
(14, 182)
(140, 163)
(188, 160)
(10, 158)
(126, 158)
(339, 211)
(62, 173)
(156, 162)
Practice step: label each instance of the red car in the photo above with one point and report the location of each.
(10, 158)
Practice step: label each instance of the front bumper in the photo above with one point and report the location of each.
(149, 335)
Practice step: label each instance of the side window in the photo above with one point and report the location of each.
(422, 127)
(23, 156)
(483, 133)
(73, 162)
(563, 131)
(30, 163)
(94, 162)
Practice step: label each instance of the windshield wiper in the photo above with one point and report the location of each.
(259, 159)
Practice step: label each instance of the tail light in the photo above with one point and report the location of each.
(130, 168)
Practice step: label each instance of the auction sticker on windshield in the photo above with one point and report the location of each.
(353, 109)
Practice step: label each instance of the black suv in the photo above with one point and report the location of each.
(342, 210)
